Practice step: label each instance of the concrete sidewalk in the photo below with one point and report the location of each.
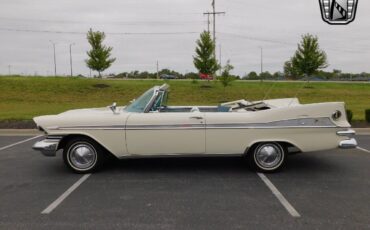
(35, 132)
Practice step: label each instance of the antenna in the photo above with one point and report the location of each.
(299, 90)
(269, 90)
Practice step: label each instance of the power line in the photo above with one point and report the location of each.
(84, 33)
(285, 43)
(258, 39)
(151, 22)
(174, 33)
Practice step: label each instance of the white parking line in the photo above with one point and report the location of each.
(20, 142)
(362, 149)
(279, 196)
(60, 199)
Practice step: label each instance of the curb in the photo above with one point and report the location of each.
(362, 131)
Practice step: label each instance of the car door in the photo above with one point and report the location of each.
(166, 133)
(226, 133)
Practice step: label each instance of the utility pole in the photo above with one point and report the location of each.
(220, 61)
(9, 70)
(157, 70)
(55, 59)
(70, 57)
(214, 13)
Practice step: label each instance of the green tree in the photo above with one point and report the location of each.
(226, 78)
(290, 71)
(204, 60)
(309, 58)
(277, 75)
(265, 75)
(251, 76)
(99, 55)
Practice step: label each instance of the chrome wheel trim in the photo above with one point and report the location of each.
(269, 156)
(82, 156)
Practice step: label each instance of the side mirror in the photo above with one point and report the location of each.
(113, 107)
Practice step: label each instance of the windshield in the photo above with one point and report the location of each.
(138, 106)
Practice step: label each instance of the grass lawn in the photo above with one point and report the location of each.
(22, 98)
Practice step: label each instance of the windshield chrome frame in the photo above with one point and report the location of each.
(157, 89)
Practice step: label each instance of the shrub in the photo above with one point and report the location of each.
(349, 115)
(367, 115)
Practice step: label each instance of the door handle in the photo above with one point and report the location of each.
(196, 117)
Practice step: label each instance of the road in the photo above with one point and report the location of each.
(328, 190)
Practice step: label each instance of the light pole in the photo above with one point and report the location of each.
(70, 57)
(261, 59)
(261, 62)
(9, 69)
(157, 70)
(55, 59)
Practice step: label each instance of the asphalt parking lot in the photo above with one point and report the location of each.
(319, 190)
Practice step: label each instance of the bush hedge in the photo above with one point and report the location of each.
(367, 115)
(349, 115)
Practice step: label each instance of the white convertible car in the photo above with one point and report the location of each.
(264, 131)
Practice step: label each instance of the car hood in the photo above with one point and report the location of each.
(91, 111)
(87, 111)
(74, 117)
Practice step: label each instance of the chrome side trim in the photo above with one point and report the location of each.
(348, 144)
(181, 155)
(48, 147)
(347, 133)
(268, 127)
(323, 122)
(89, 127)
(282, 124)
(165, 127)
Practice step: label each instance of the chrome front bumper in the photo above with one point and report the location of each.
(349, 143)
(48, 146)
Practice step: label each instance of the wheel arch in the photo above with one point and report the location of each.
(63, 142)
(284, 143)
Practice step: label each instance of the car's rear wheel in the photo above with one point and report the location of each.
(82, 155)
(267, 156)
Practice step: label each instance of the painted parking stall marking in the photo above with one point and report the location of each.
(62, 197)
(20, 142)
(279, 196)
(362, 149)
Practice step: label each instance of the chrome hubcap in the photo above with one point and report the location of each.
(82, 156)
(268, 155)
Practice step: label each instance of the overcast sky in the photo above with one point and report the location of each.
(247, 25)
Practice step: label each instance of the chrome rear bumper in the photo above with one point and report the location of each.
(48, 147)
(349, 143)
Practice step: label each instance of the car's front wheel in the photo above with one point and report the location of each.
(267, 156)
(82, 155)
